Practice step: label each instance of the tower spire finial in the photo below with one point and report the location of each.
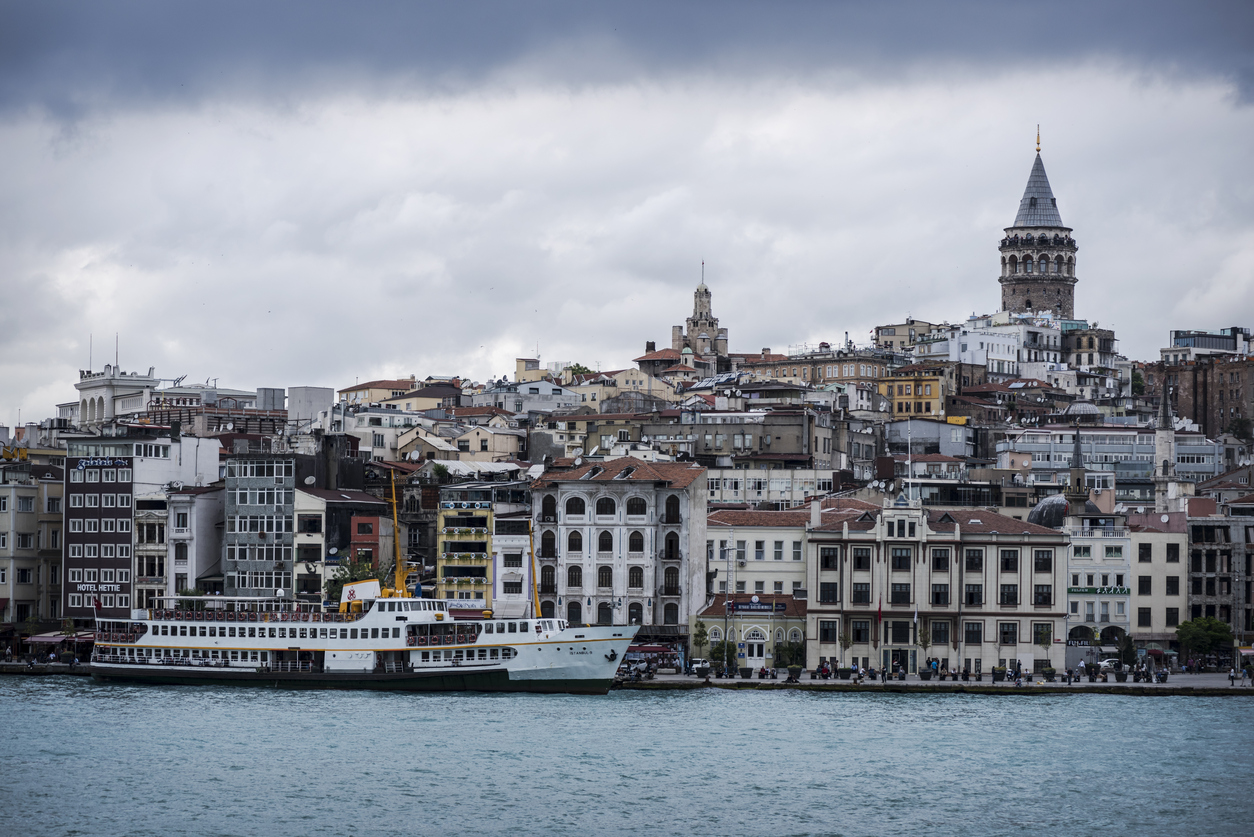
(1038, 138)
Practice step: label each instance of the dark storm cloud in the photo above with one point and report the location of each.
(70, 56)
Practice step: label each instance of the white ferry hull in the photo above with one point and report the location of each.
(577, 660)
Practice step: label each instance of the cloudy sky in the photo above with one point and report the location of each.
(307, 193)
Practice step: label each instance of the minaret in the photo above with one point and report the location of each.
(1038, 252)
(1164, 453)
(1077, 492)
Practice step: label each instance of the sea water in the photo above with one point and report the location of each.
(93, 759)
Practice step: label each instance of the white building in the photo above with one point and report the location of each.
(623, 541)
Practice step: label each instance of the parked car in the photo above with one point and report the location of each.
(700, 666)
(1109, 664)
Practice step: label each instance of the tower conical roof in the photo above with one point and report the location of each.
(1038, 207)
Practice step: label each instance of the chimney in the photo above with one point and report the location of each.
(816, 513)
(766, 350)
(650, 347)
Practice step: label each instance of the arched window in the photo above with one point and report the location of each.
(635, 578)
(576, 506)
(605, 506)
(755, 635)
(670, 614)
(548, 508)
(548, 545)
(635, 613)
(672, 546)
(548, 580)
(794, 635)
(672, 509)
(779, 634)
(605, 614)
(574, 613)
(1027, 264)
(574, 542)
(1070, 266)
(636, 507)
(670, 581)
(546, 610)
(635, 542)
(574, 577)
(1003, 265)
(605, 577)
(1058, 264)
(605, 542)
(716, 635)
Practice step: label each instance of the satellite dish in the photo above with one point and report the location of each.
(309, 480)
(414, 456)
(1165, 518)
(230, 425)
(754, 599)
(279, 592)
(332, 550)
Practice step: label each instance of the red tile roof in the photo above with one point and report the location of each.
(674, 474)
(660, 354)
(403, 383)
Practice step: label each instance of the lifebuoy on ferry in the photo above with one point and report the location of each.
(412, 641)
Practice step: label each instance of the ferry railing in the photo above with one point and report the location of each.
(275, 616)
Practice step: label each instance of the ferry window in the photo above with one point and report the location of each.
(203, 631)
(513, 628)
(323, 633)
(494, 653)
(396, 633)
(265, 656)
(183, 631)
(353, 634)
(252, 631)
(487, 628)
(483, 653)
(304, 633)
(426, 656)
(212, 632)
(391, 607)
(283, 633)
(344, 633)
(374, 633)
(235, 655)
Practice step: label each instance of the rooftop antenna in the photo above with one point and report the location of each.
(116, 340)
(1038, 138)
(88, 351)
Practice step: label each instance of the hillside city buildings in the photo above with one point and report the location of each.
(1003, 489)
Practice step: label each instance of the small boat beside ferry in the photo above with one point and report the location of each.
(376, 640)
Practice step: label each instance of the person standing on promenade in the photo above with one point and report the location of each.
(1232, 677)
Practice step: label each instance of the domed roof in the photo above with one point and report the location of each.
(1050, 512)
(1081, 408)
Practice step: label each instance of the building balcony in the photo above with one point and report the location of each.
(671, 591)
(465, 557)
(150, 579)
(1082, 532)
(548, 589)
(670, 555)
(464, 531)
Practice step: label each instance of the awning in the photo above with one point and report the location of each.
(1245, 651)
(55, 637)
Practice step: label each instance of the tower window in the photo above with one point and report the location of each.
(1031, 201)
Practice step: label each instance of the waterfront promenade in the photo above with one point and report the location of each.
(1178, 684)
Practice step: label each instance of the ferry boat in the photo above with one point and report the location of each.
(377, 640)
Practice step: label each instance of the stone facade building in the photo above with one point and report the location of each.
(623, 542)
(984, 589)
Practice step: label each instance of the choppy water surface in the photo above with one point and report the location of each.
(83, 758)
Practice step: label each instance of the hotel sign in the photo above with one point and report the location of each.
(1100, 591)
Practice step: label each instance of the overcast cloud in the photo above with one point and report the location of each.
(310, 194)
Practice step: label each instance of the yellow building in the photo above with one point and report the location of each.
(914, 392)
(464, 545)
(372, 392)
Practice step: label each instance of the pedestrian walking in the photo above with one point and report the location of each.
(1245, 675)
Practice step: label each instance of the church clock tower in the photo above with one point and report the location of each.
(1038, 253)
